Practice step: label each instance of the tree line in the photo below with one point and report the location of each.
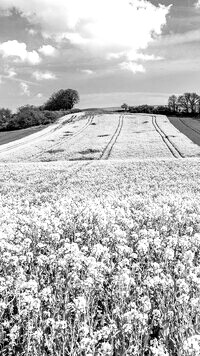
(188, 103)
(59, 104)
(185, 104)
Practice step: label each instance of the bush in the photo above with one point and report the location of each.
(25, 117)
(5, 117)
(29, 115)
(150, 109)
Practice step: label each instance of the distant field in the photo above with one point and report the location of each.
(102, 136)
(9, 136)
(188, 126)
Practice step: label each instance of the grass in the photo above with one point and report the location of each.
(9, 136)
(100, 258)
(188, 126)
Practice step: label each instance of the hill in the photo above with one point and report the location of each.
(100, 243)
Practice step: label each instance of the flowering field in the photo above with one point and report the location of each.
(139, 140)
(91, 137)
(82, 138)
(90, 144)
(100, 258)
(33, 147)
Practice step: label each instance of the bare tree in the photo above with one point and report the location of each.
(183, 102)
(189, 102)
(194, 102)
(173, 103)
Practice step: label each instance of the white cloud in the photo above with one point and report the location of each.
(132, 67)
(197, 4)
(87, 71)
(134, 56)
(47, 50)
(177, 38)
(43, 75)
(25, 89)
(19, 50)
(99, 25)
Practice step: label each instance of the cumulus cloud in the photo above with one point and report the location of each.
(47, 50)
(18, 50)
(132, 67)
(100, 25)
(43, 75)
(197, 4)
(25, 89)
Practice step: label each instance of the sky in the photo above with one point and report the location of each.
(110, 51)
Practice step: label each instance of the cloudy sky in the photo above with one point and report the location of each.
(111, 51)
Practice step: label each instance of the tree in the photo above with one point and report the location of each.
(124, 106)
(189, 102)
(173, 103)
(183, 102)
(194, 100)
(5, 117)
(62, 100)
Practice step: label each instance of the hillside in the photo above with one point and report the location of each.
(100, 239)
(102, 136)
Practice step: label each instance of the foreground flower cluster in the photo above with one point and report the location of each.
(100, 260)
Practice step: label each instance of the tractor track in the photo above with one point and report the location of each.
(191, 128)
(173, 149)
(21, 144)
(68, 139)
(107, 150)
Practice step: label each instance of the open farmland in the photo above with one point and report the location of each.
(102, 136)
(188, 126)
(100, 240)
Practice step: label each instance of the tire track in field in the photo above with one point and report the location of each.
(107, 150)
(173, 149)
(191, 128)
(21, 144)
(68, 139)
